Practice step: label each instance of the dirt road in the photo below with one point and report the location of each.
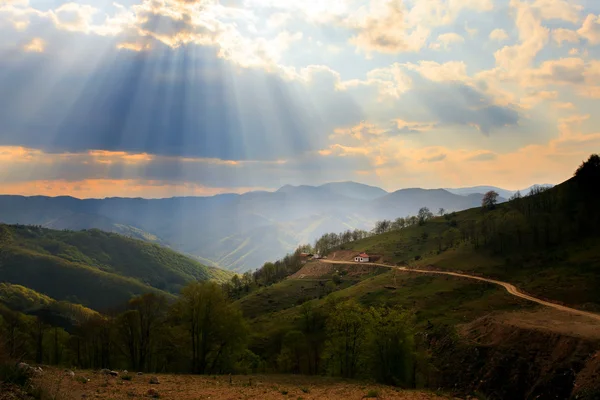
(512, 289)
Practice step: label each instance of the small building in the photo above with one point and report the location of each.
(362, 257)
(305, 257)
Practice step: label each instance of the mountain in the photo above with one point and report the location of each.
(94, 268)
(233, 231)
(354, 190)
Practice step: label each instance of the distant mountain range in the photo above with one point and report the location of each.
(239, 232)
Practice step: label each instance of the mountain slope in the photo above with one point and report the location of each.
(94, 268)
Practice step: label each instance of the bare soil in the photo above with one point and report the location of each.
(547, 319)
(187, 387)
(318, 269)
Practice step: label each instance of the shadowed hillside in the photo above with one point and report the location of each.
(94, 268)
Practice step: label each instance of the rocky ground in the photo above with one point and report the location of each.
(93, 385)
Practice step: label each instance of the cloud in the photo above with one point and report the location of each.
(566, 10)
(36, 45)
(433, 159)
(436, 72)
(445, 40)
(388, 26)
(382, 28)
(590, 30)
(561, 35)
(499, 35)
(483, 156)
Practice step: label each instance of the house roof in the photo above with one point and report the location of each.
(363, 255)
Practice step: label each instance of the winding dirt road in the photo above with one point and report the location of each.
(512, 289)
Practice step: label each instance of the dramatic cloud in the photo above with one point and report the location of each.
(153, 97)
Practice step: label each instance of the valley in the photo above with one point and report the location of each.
(498, 301)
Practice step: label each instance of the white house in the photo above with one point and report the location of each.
(362, 257)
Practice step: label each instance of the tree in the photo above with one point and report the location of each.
(441, 212)
(382, 226)
(516, 196)
(423, 215)
(392, 345)
(139, 326)
(347, 334)
(216, 329)
(490, 199)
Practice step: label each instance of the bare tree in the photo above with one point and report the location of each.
(441, 212)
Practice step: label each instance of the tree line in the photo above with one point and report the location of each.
(204, 332)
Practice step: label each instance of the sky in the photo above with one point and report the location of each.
(160, 98)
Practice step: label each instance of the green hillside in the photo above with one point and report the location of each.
(564, 269)
(97, 269)
(22, 299)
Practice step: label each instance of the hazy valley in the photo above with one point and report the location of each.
(239, 232)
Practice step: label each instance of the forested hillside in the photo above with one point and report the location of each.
(94, 268)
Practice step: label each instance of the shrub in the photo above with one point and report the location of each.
(372, 394)
(11, 373)
(127, 377)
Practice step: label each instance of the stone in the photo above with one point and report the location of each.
(114, 373)
(69, 373)
(140, 373)
(152, 392)
(105, 371)
(23, 365)
(154, 380)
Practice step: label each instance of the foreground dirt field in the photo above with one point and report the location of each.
(186, 387)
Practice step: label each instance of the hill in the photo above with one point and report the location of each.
(476, 335)
(229, 230)
(97, 269)
(27, 301)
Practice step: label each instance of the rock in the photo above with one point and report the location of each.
(105, 371)
(23, 365)
(125, 371)
(69, 373)
(154, 380)
(38, 371)
(140, 373)
(152, 393)
(114, 373)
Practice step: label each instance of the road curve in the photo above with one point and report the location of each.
(510, 288)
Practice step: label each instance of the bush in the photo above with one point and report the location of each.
(12, 374)
(372, 394)
(127, 377)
